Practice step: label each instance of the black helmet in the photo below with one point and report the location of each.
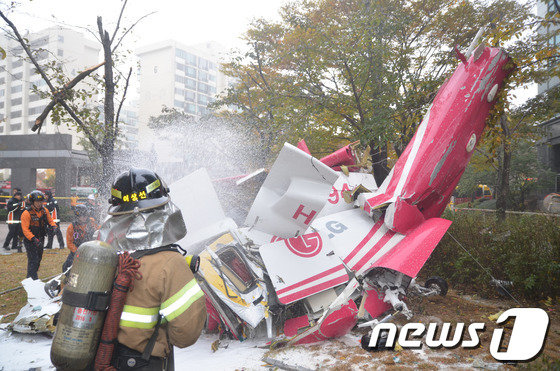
(36, 196)
(81, 210)
(137, 188)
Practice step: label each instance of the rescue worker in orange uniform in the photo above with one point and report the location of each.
(166, 307)
(34, 222)
(80, 231)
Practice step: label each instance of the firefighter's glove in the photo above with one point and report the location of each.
(35, 241)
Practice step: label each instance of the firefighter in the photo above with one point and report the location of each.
(80, 231)
(166, 307)
(34, 222)
(93, 207)
(15, 208)
(52, 206)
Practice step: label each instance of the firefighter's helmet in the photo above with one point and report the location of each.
(137, 188)
(36, 196)
(81, 210)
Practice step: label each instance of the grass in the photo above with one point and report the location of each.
(13, 269)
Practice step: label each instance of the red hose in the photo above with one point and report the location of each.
(127, 272)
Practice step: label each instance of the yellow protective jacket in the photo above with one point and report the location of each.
(167, 288)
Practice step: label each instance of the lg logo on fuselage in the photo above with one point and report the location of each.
(526, 340)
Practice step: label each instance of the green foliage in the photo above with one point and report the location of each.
(357, 69)
(528, 177)
(3, 214)
(522, 249)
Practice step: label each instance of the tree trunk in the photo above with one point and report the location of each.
(502, 189)
(108, 143)
(379, 161)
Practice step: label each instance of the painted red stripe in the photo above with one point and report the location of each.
(378, 200)
(373, 250)
(368, 237)
(313, 290)
(311, 279)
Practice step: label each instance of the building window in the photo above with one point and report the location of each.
(16, 101)
(190, 71)
(202, 110)
(2, 80)
(179, 91)
(60, 38)
(1, 104)
(1, 92)
(191, 108)
(1, 128)
(15, 127)
(43, 54)
(39, 83)
(18, 63)
(203, 76)
(16, 89)
(17, 76)
(60, 53)
(178, 104)
(35, 44)
(212, 78)
(15, 114)
(180, 67)
(202, 99)
(211, 66)
(34, 98)
(203, 64)
(31, 123)
(190, 83)
(190, 96)
(36, 110)
(205, 88)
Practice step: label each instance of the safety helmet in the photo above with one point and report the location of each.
(81, 210)
(36, 196)
(137, 188)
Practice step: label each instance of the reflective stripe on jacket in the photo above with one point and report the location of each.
(167, 288)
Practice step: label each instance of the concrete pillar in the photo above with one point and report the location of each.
(63, 179)
(24, 178)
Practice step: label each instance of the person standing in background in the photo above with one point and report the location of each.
(34, 222)
(15, 208)
(52, 206)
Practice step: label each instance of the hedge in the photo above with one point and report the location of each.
(524, 249)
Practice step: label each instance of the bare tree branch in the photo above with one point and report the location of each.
(118, 22)
(129, 29)
(122, 100)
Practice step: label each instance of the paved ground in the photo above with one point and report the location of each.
(4, 233)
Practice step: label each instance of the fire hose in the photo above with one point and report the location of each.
(127, 272)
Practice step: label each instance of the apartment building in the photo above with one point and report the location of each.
(19, 105)
(178, 76)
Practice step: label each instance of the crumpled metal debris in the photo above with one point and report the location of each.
(37, 316)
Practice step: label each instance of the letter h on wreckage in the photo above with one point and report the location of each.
(306, 255)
